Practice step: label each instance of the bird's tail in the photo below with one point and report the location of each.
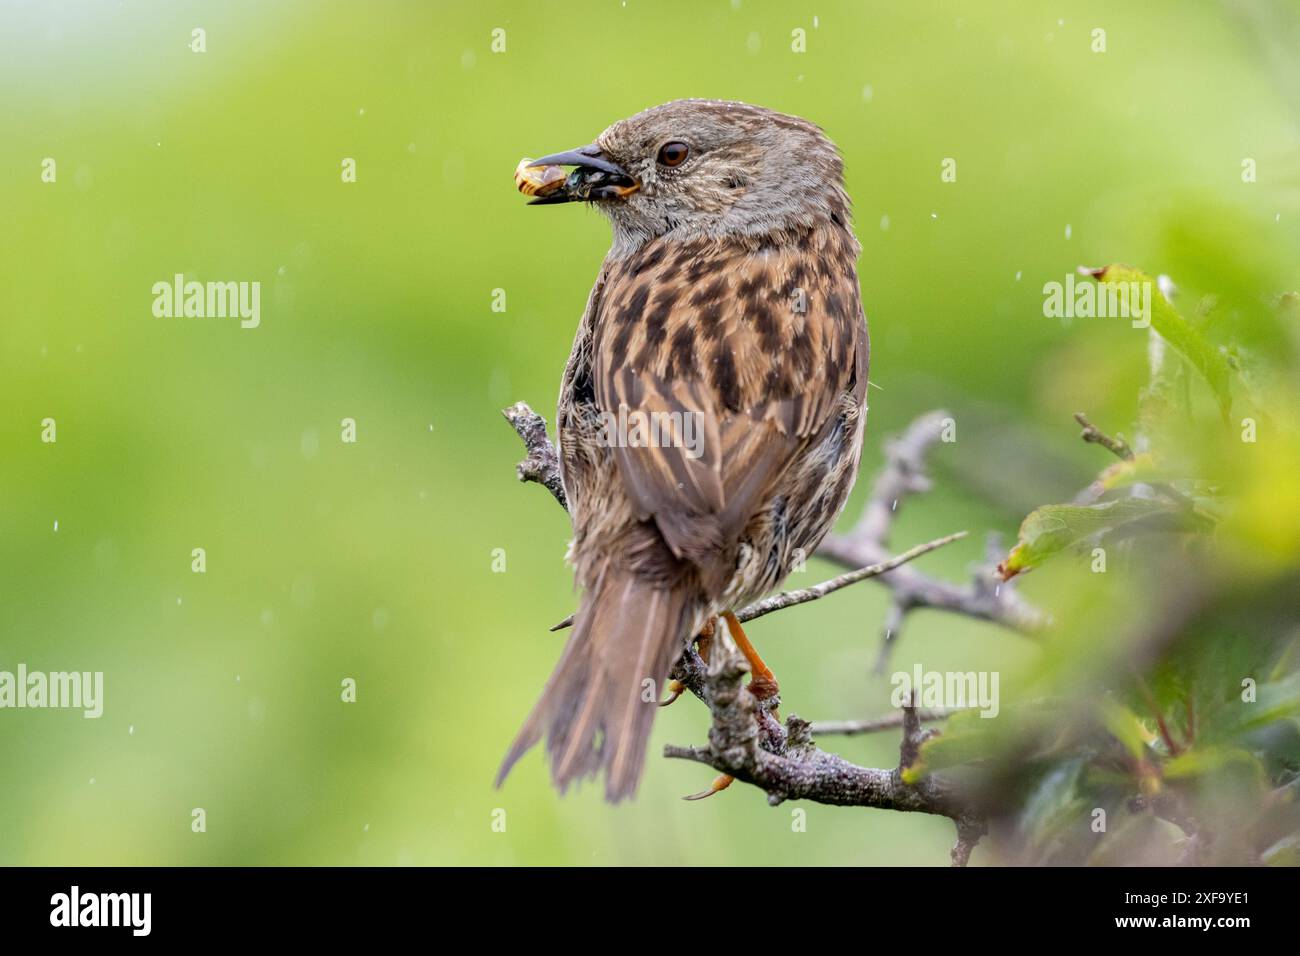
(599, 703)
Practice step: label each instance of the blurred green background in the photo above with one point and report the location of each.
(374, 560)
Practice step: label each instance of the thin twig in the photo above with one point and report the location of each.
(787, 599)
(985, 597)
(1091, 433)
(851, 728)
(802, 596)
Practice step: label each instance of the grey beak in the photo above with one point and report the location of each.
(589, 156)
(594, 177)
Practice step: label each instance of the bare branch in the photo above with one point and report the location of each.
(1091, 433)
(986, 597)
(790, 598)
(969, 833)
(543, 463)
(851, 728)
(746, 742)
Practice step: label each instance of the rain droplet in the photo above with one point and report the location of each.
(56, 524)
(1018, 274)
(130, 731)
(1068, 231)
(884, 223)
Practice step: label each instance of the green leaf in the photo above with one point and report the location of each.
(965, 738)
(1181, 335)
(1285, 852)
(1276, 700)
(1124, 726)
(1140, 840)
(1055, 803)
(1206, 761)
(1049, 530)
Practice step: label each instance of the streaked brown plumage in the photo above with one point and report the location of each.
(730, 293)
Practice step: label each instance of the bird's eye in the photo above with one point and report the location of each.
(673, 154)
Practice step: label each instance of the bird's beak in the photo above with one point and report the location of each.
(594, 177)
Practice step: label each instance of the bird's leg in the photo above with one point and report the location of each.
(702, 641)
(762, 682)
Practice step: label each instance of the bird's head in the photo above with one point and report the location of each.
(700, 168)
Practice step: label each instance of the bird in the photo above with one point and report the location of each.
(728, 306)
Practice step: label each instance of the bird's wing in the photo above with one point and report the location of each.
(741, 357)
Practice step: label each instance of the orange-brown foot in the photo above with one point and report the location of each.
(762, 682)
(719, 784)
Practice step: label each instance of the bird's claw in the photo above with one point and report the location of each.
(720, 783)
(675, 689)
